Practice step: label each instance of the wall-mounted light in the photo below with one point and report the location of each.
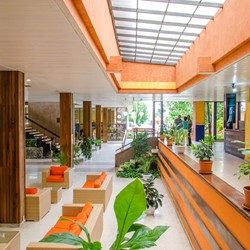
(233, 87)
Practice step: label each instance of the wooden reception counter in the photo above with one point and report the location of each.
(209, 208)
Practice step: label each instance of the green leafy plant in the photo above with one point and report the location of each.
(31, 142)
(145, 162)
(153, 198)
(98, 142)
(179, 136)
(140, 145)
(129, 205)
(129, 170)
(169, 133)
(61, 157)
(204, 150)
(244, 168)
(86, 147)
(76, 154)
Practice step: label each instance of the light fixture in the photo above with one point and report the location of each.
(233, 87)
(28, 80)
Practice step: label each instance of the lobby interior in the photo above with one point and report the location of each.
(109, 53)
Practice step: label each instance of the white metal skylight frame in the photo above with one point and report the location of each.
(148, 30)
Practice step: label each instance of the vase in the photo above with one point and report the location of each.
(246, 205)
(150, 211)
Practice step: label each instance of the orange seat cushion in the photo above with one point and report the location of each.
(31, 190)
(75, 229)
(83, 217)
(87, 208)
(64, 223)
(58, 170)
(55, 178)
(104, 174)
(55, 230)
(88, 184)
(97, 183)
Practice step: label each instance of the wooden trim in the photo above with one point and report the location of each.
(87, 119)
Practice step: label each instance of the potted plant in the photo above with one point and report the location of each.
(153, 198)
(140, 146)
(129, 205)
(179, 139)
(162, 131)
(145, 165)
(244, 169)
(204, 152)
(86, 147)
(61, 157)
(169, 135)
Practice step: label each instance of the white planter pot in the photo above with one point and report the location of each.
(179, 149)
(150, 211)
(145, 177)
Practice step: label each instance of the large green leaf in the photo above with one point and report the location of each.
(67, 238)
(144, 237)
(129, 205)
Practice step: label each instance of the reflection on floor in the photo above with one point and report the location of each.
(103, 160)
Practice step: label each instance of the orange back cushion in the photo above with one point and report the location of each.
(57, 170)
(88, 184)
(31, 190)
(87, 208)
(55, 230)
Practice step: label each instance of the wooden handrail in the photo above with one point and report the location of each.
(41, 126)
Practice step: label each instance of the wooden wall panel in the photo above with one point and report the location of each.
(105, 124)
(66, 125)
(210, 209)
(12, 147)
(87, 119)
(98, 121)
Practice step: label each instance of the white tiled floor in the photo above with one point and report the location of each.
(103, 160)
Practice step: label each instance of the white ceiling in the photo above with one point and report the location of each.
(37, 38)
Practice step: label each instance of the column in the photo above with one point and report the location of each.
(87, 119)
(247, 121)
(105, 124)
(98, 121)
(214, 119)
(12, 147)
(199, 120)
(66, 126)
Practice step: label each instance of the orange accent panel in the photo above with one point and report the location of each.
(188, 215)
(205, 65)
(227, 31)
(142, 72)
(198, 209)
(115, 64)
(233, 220)
(148, 85)
(147, 91)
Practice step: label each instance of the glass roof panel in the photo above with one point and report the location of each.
(125, 24)
(149, 26)
(143, 33)
(126, 32)
(151, 17)
(203, 10)
(124, 14)
(146, 40)
(199, 21)
(176, 19)
(181, 8)
(172, 28)
(124, 3)
(147, 5)
(161, 30)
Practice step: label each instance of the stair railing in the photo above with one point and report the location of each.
(41, 126)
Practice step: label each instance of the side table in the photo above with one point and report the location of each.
(56, 194)
(9, 240)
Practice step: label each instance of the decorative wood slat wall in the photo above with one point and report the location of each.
(87, 119)
(98, 121)
(105, 124)
(210, 209)
(66, 125)
(12, 147)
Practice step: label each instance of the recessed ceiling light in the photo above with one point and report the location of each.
(28, 80)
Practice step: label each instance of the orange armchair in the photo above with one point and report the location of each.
(57, 176)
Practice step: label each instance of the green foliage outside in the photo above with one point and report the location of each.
(178, 108)
(129, 205)
(139, 114)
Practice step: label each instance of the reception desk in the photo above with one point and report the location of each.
(232, 147)
(210, 209)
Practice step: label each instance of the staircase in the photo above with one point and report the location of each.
(37, 139)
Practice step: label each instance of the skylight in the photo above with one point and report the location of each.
(159, 31)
